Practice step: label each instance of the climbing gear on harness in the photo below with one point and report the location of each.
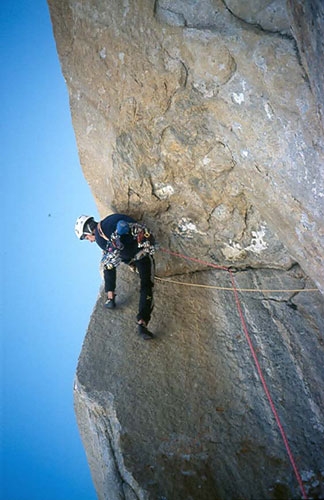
(84, 225)
(140, 232)
(145, 240)
(144, 332)
(111, 259)
(115, 241)
(147, 247)
(110, 303)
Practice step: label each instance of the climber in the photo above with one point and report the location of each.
(122, 239)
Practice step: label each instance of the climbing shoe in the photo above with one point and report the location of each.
(144, 332)
(110, 303)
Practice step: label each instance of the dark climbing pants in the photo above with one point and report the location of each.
(146, 269)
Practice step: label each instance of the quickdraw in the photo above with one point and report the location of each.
(145, 240)
(111, 259)
(115, 241)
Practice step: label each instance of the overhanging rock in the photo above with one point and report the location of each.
(199, 117)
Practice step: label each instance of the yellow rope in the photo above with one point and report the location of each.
(238, 289)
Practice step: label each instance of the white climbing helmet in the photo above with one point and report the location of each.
(80, 226)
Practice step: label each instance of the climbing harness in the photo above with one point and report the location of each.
(236, 291)
(111, 255)
(100, 231)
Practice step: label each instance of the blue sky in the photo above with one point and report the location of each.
(49, 280)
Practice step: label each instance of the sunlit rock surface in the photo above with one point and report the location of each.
(210, 121)
(204, 119)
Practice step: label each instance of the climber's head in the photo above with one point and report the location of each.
(85, 227)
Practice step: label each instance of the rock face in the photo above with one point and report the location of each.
(307, 21)
(204, 119)
(202, 123)
(185, 416)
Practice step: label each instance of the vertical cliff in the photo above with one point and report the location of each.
(204, 119)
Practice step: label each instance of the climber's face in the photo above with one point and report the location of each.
(90, 237)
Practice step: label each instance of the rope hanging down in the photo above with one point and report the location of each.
(255, 359)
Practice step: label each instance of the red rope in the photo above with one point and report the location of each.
(265, 387)
(210, 264)
(257, 364)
